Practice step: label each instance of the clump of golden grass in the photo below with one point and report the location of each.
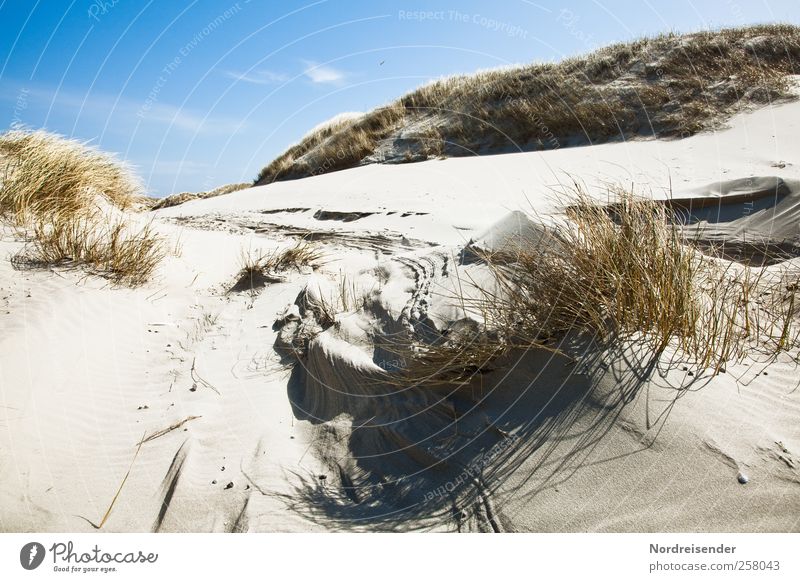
(45, 173)
(610, 271)
(106, 245)
(259, 269)
(347, 297)
(615, 273)
(302, 254)
(67, 198)
(668, 85)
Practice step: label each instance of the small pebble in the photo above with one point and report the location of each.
(229, 485)
(214, 482)
(742, 478)
(222, 469)
(193, 388)
(323, 477)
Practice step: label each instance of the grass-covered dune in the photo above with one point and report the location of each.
(670, 85)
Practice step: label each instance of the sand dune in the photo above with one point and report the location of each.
(263, 413)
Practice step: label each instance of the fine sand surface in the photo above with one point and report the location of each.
(585, 441)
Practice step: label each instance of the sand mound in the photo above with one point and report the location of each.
(516, 230)
(749, 219)
(558, 427)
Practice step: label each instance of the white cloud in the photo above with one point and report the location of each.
(184, 119)
(346, 116)
(323, 74)
(258, 77)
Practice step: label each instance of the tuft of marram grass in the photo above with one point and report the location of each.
(46, 173)
(69, 199)
(107, 246)
(615, 273)
(302, 254)
(259, 269)
(347, 297)
(625, 270)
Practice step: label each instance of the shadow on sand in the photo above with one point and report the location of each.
(434, 456)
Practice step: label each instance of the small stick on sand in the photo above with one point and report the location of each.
(164, 431)
(196, 377)
(116, 495)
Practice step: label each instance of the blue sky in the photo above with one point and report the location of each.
(200, 93)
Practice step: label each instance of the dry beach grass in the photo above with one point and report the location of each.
(614, 273)
(69, 200)
(260, 268)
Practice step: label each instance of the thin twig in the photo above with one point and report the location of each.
(164, 431)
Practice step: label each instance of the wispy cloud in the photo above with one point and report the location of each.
(119, 112)
(322, 74)
(258, 77)
(183, 119)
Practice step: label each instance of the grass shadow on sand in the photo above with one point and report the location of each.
(435, 457)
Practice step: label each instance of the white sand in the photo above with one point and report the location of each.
(87, 370)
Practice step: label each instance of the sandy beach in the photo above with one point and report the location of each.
(188, 390)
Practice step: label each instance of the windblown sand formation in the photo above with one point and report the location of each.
(753, 219)
(525, 425)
